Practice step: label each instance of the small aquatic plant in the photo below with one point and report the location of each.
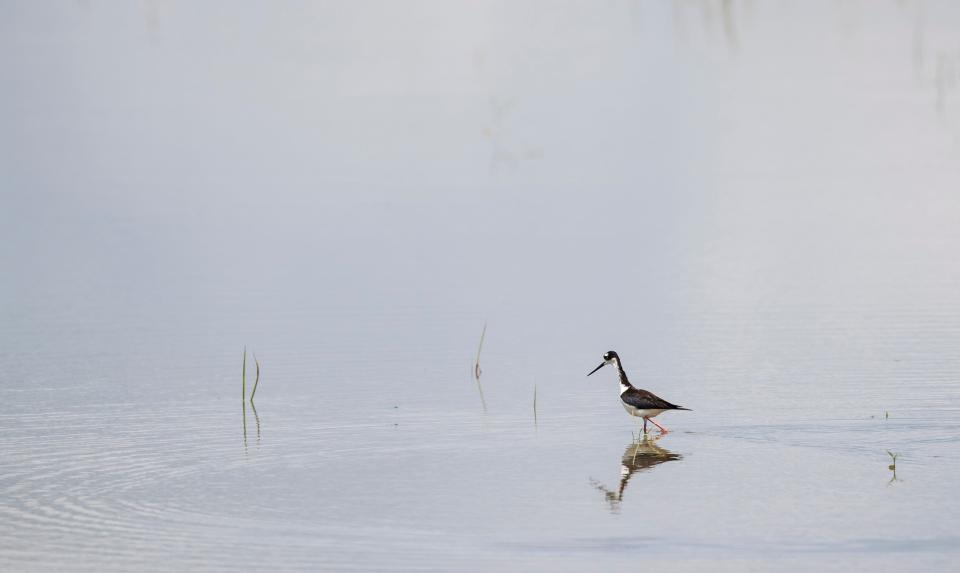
(257, 381)
(243, 389)
(534, 403)
(476, 364)
(243, 377)
(476, 368)
(893, 466)
(255, 417)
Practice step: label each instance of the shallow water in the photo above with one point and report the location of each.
(755, 204)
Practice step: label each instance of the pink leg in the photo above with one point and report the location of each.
(662, 429)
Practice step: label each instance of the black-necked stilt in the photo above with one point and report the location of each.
(636, 402)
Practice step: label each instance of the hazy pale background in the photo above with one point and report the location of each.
(755, 203)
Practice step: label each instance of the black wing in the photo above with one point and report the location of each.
(643, 400)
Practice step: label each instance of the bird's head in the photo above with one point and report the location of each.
(609, 357)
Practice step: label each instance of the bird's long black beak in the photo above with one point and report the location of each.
(602, 364)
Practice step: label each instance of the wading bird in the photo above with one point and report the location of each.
(636, 402)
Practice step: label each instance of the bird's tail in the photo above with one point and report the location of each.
(682, 408)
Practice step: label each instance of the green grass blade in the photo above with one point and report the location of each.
(534, 402)
(476, 364)
(257, 381)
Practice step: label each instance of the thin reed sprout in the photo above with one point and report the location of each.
(243, 377)
(476, 364)
(257, 381)
(534, 403)
(476, 368)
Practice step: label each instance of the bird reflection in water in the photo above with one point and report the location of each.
(640, 456)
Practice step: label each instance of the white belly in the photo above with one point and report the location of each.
(641, 413)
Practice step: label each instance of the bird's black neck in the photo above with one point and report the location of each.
(624, 383)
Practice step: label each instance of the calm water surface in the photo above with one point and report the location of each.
(755, 204)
